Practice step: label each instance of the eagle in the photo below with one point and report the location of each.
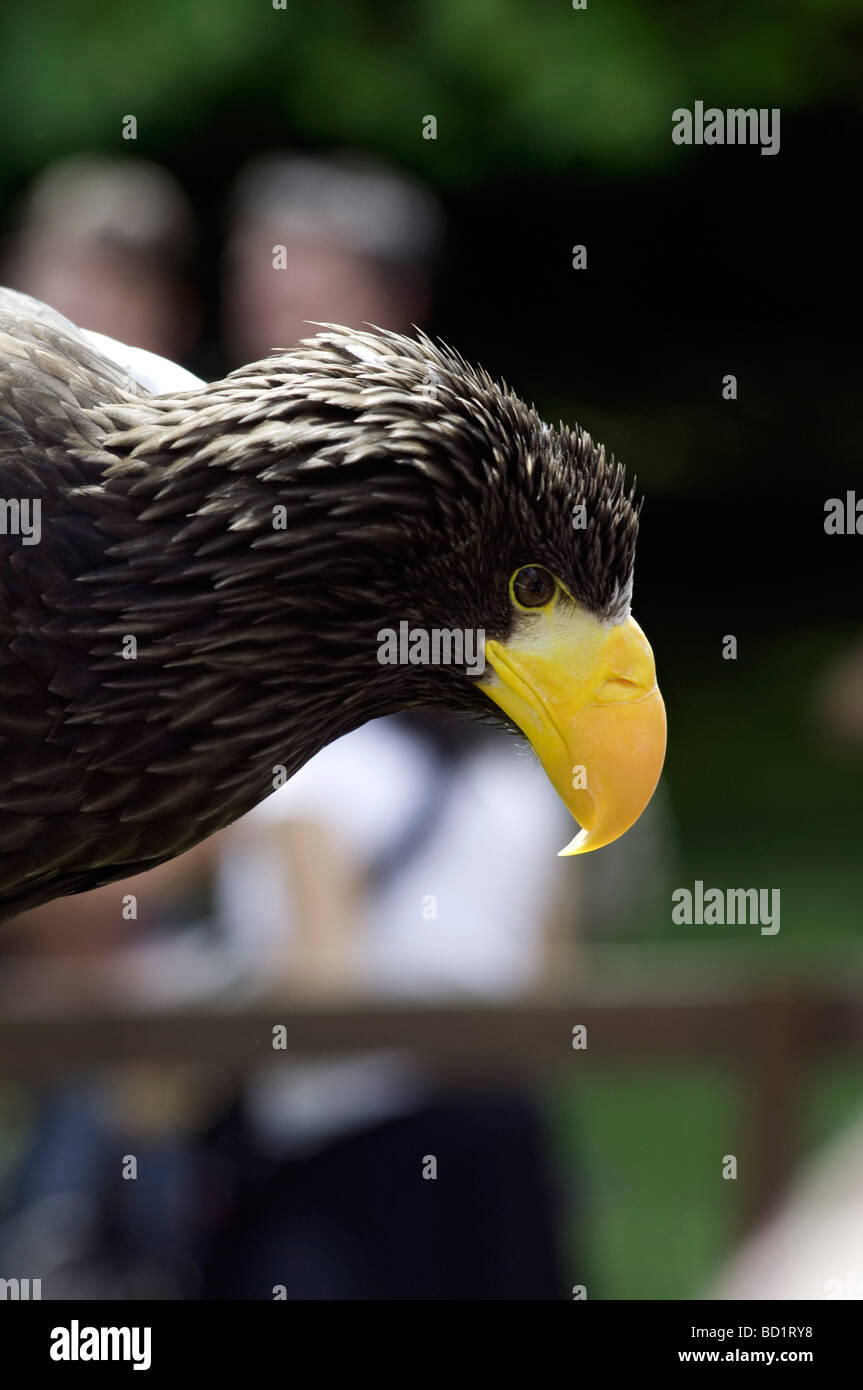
(195, 587)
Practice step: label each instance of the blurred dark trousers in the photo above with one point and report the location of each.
(359, 1220)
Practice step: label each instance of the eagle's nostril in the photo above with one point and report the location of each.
(619, 688)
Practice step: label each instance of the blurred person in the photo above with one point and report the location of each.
(108, 242)
(406, 860)
(326, 881)
(343, 239)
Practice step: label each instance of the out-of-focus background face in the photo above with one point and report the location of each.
(109, 243)
(317, 242)
(440, 165)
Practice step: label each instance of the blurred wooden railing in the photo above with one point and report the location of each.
(769, 1033)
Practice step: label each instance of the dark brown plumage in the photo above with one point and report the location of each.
(412, 487)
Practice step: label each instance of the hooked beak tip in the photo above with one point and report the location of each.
(576, 846)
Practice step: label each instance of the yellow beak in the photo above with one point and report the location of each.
(586, 696)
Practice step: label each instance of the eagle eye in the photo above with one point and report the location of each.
(533, 587)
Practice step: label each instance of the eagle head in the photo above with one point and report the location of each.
(451, 551)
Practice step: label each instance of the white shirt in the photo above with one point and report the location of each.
(488, 869)
(466, 913)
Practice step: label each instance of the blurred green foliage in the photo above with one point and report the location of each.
(513, 86)
(658, 1220)
(658, 1217)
